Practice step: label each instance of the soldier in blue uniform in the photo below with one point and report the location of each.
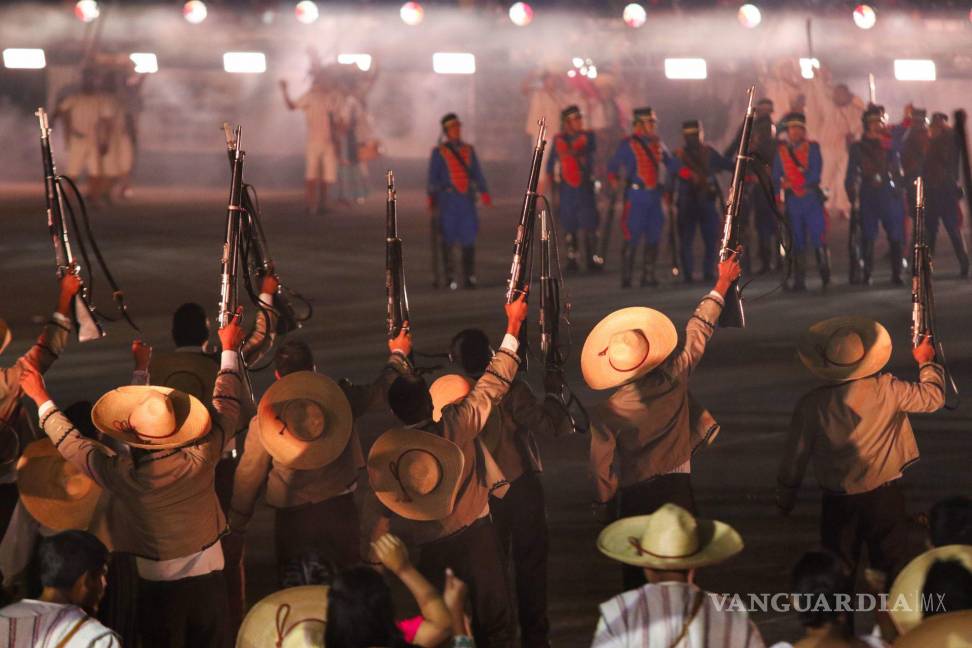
(571, 165)
(874, 177)
(941, 189)
(638, 163)
(693, 171)
(455, 182)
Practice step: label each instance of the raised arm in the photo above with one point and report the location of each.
(291, 105)
(264, 330)
(928, 394)
(54, 336)
(228, 392)
(364, 397)
(251, 475)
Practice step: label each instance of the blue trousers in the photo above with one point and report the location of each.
(702, 215)
(882, 205)
(643, 216)
(577, 209)
(806, 216)
(458, 218)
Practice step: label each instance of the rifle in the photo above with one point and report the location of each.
(394, 265)
(732, 314)
(522, 242)
(674, 243)
(228, 294)
(855, 239)
(609, 223)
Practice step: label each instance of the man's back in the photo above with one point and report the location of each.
(38, 624)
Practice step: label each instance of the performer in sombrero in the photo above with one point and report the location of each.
(855, 430)
(934, 583)
(643, 436)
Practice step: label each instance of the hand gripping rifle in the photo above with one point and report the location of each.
(395, 290)
(922, 295)
(732, 313)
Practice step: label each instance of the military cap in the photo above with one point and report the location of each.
(447, 120)
(795, 119)
(569, 111)
(644, 113)
(691, 127)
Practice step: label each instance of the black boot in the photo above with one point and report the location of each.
(648, 268)
(823, 265)
(627, 263)
(896, 263)
(867, 256)
(469, 267)
(570, 240)
(958, 244)
(448, 266)
(799, 271)
(594, 261)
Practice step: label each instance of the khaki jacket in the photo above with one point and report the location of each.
(164, 503)
(857, 433)
(652, 425)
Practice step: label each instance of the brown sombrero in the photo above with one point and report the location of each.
(845, 348)
(151, 417)
(291, 618)
(305, 420)
(626, 345)
(189, 372)
(5, 335)
(415, 474)
(55, 492)
(446, 390)
(910, 583)
(951, 630)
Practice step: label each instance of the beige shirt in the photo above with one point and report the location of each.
(651, 426)
(319, 107)
(857, 433)
(87, 111)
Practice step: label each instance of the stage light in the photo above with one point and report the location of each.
(454, 63)
(807, 66)
(195, 11)
(24, 59)
(412, 13)
(521, 14)
(864, 16)
(685, 68)
(749, 16)
(145, 62)
(86, 10)
(363, 61)
(245, 62)
(307, 12)
(634, 15)
(914, 70)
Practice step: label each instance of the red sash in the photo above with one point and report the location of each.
(458, 174)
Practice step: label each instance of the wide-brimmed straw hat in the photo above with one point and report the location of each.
(151, 417)
(910, 583)
(305, 420)
(845, 348)
(55, 492)
(415, 474)
(446, 390)
(189, 372)
(291, 618)
(670, 538)
(626, 345)
(5, 335)
(951, 630)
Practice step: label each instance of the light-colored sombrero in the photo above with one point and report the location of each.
(189, 372)
(951, 630)
(415, 474)
(55, 493)
(669, 538)
(305, 420)
(5, 335)
(626, 345)
(291, 618)
(151, 417)
(845, 348)
(446, 390)
(911, 582)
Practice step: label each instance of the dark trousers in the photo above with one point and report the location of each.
(186, 613)
(646, 498)
(233, 573)
(474, 556)
(8, 502)
(521, 525)
(118, 607)
(329, 529)
(877, 518)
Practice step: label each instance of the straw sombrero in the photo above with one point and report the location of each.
(5, 335)
(192, 373)
(626, 345)
(845, 348)
(415, 473)
(911, 582)
(669, 538)
(951, 630)
(55, 492)
(291, 618)
(305, 420)
(446, 390)
(151, 417)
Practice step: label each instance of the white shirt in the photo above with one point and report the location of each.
(318, 107)
(38, 624)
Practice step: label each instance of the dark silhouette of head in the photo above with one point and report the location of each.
(190, 326)
(409, 399)
(291, 356)
(360, 613)
(470, 350)
(950, 521)
(948, 588)
(75, 564)
(821, 574)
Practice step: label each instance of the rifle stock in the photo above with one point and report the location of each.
(395, 290)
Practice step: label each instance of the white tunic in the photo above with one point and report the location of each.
(38, 624)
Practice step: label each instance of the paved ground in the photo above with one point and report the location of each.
(165, 249)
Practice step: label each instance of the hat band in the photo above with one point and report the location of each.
(629, 369)
(636, 543)
(283, 611)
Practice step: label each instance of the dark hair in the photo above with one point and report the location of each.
(951, 581)
(292, 356)
(360, 613)
(79, 413)
(307, 569)
(819, 574)
(470, 349)
(950, 521)
(409, 399)
(189, 327)
(64, 557)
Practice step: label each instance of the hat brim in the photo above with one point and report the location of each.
(950, 630)
(877, 348)
(657, 329)
(304, 604)
(45, 502)
(192, 373)
(435, 505)
(911, 581)
(338, 421)
(110, 415)
(5, 335)
(718, 541)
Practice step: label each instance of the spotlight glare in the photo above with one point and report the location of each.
(195, 11)
(307, 12)
(685, 68)
(807, 66)
(914, 70)
(749, 16)
(864, 16)
(454, 63)
(363, 61)
(16, 58)
(412, 13)
(634, 15)
(521, 14)
(145, 62)
(245, 62)
(86, 10)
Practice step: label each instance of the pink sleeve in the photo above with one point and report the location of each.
(409, 628)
